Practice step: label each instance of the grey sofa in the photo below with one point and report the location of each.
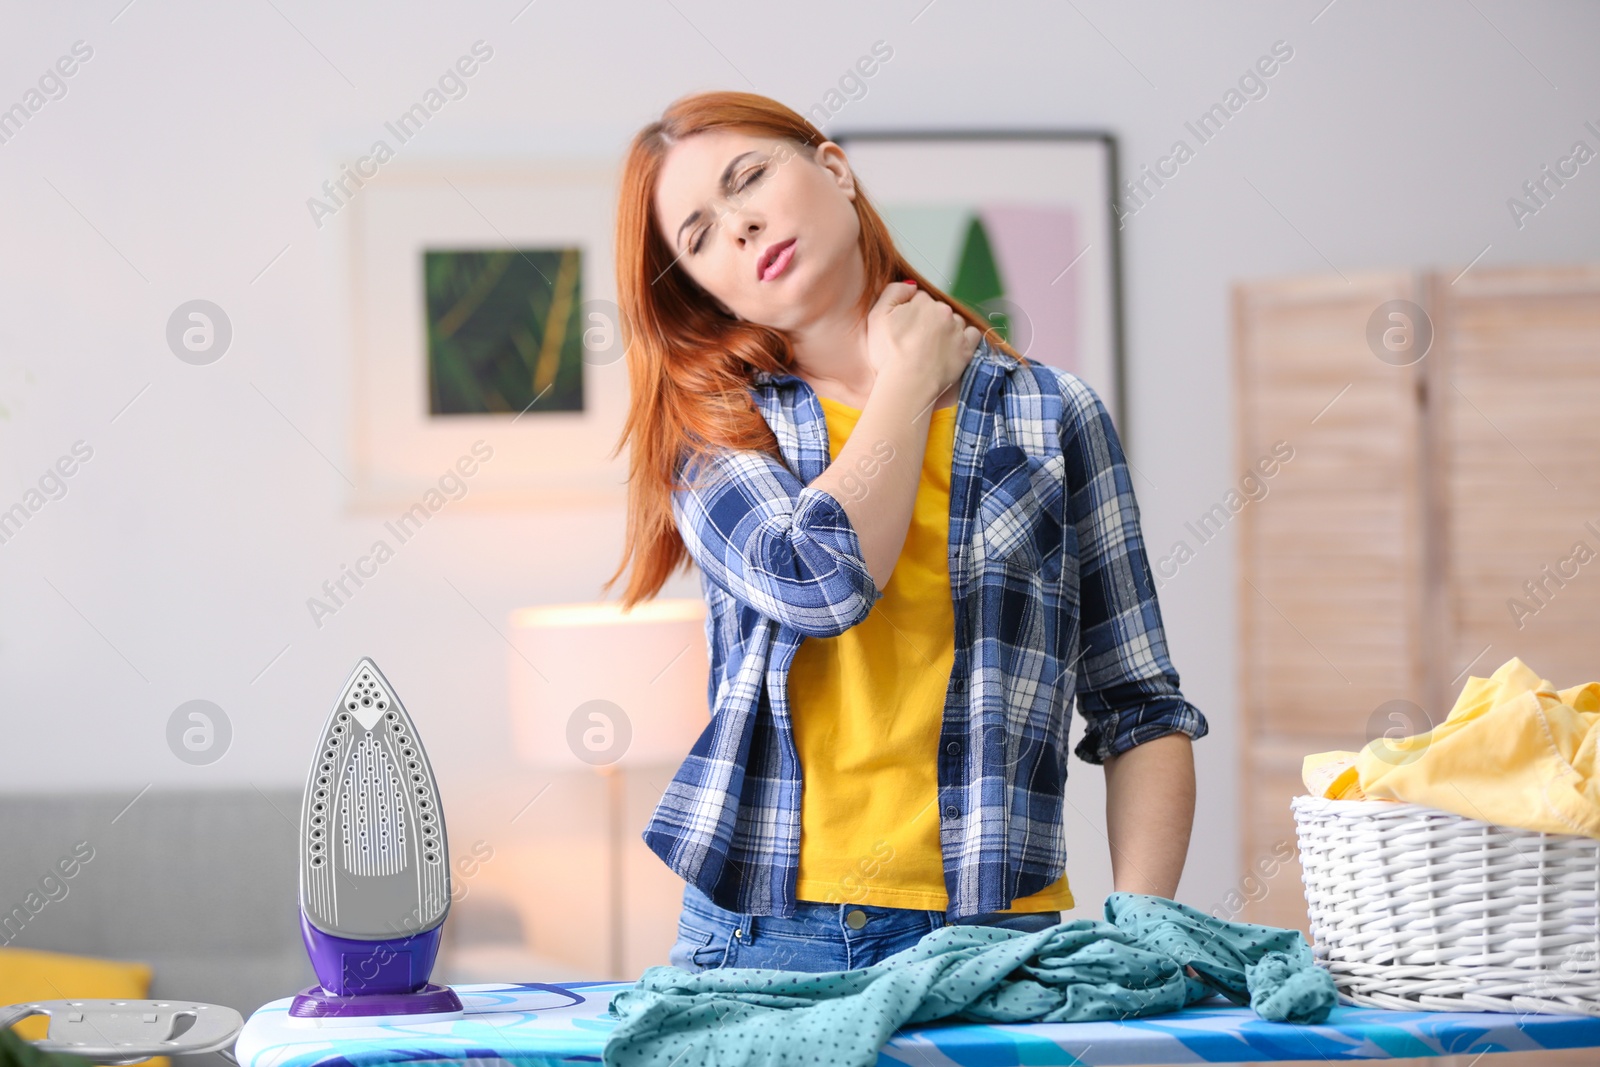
(200, 885)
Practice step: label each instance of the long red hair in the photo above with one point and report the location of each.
(689, 363)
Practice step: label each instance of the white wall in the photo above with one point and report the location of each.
(179, 163)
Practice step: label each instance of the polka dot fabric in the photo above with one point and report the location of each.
(1132, 964)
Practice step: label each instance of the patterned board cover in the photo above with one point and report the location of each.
(530, 1024)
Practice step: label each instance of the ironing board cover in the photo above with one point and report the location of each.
(530, 1024)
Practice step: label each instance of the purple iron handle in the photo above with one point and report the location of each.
(348, 967)
(363, 979)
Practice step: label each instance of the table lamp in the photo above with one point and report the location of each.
(594, 687)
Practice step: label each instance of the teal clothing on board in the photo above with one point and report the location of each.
(1130, 965)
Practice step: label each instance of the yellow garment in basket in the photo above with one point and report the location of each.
(1514, 751)
(1332, 775)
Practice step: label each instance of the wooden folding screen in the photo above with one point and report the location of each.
(1438, 515)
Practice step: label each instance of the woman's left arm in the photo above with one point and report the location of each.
(1138, 725)
(1150, 814)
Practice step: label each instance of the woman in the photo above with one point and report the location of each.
(916, 546)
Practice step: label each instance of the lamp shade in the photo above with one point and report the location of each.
(594, 686)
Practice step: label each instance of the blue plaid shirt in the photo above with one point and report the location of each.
(1053, 600)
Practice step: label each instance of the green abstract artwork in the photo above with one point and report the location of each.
(978, 283)
(504, 332)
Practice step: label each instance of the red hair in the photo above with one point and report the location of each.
(689, 363)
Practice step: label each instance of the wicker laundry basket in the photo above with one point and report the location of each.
(1419, 909)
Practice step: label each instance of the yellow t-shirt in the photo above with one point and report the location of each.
(867, 707)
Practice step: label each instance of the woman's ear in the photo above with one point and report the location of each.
(831, 157)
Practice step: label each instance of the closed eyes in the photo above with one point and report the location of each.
(749, 176)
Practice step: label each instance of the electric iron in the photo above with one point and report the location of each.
(374, 864)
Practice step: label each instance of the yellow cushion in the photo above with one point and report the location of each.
(27, 974)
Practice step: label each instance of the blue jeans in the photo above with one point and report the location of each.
(818, 937)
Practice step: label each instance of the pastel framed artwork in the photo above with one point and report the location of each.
(1018, 225)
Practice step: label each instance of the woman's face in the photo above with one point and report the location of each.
(726, 200)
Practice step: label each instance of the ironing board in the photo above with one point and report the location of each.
(533, 1024)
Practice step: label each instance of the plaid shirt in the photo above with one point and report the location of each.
(1053, 600)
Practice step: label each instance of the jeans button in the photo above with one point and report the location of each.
(855, 918)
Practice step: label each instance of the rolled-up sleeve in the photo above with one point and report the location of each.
(1127, 690)
(785, 549)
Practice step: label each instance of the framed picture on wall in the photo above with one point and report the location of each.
(485, 337)
(1019, 226)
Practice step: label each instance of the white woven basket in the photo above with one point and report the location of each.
(1419, 909)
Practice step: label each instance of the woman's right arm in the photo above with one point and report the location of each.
(816, 557)
(919, 347)
(785, 549)
(879, 467)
